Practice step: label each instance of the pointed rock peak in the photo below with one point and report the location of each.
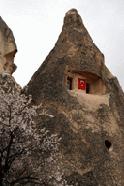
(72, 11)
(74, 39)
(8, 49)
(74, 24)
(72, 16)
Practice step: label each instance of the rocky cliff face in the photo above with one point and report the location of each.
(7, 49)
(90, 122)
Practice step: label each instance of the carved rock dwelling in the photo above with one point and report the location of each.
(87, 107)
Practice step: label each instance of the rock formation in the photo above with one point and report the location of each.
(80, 100)
(89, 116)
(7, 49)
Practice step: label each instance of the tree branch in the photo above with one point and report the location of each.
(6, 166)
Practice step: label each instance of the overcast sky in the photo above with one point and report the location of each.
(36, 25)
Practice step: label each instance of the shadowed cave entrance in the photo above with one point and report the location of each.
(108, 145)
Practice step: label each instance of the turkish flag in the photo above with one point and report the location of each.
(81, 84)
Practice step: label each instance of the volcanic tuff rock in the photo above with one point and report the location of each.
(91, 125)
(7, 49)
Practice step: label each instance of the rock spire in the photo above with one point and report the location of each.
(87, 105)
(7, 49)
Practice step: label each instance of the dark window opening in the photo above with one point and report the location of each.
(87, 88)
(108, 144)
(69, 83)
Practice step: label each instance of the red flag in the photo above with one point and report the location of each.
(81, 84)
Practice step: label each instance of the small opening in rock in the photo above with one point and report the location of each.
(87, 88)
(108, 144)
(69, 83)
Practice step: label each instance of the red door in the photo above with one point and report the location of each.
(81, 84)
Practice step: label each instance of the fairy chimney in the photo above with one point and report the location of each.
(87, 107)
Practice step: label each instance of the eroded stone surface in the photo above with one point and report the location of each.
(85, 123)
(7, 49)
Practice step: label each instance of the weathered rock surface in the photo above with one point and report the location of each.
(91, 125)
(7, 49)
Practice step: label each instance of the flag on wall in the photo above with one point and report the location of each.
(81, 84)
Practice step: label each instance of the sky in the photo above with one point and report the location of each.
(36, 25)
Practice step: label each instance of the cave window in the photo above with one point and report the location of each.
(108, 144)
(69, 83)
(87, 88)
